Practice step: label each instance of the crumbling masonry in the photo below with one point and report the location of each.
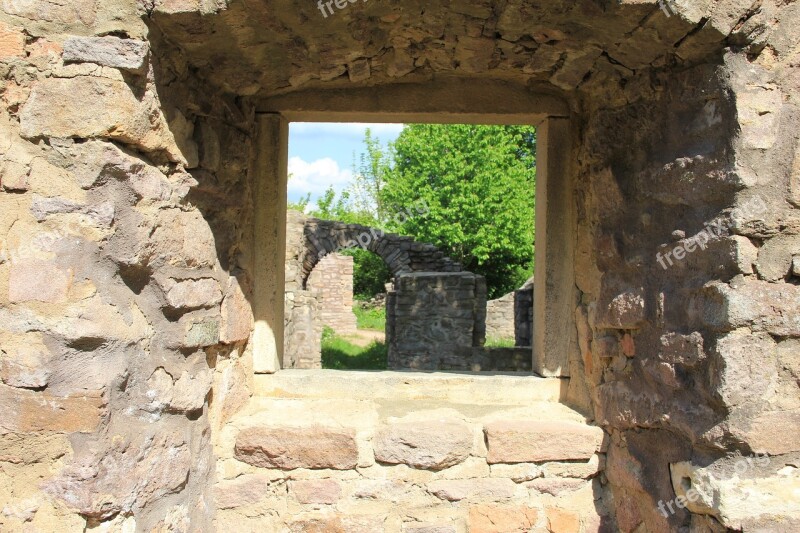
(142, 215)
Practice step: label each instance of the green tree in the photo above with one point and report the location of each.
(479, 184)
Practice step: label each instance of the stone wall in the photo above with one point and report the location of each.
(333, 279)
(127, 213)
(124, 276)
(431, 317)
(500, 317)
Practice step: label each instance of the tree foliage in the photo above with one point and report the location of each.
(479, 184)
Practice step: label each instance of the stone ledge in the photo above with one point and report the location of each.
(523, 441)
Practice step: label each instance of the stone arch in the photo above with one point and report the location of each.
(402, 254)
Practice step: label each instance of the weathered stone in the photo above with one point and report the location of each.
(129, 474)
(556, 486)
(244, 490)
(745, 368)
(528, 442)
(762, 306)
(29, 411)
(562, 520)
(430, 529)
(733, 497)
(190, 391)
(192, 293)
(775, 257)
(200, 333)
(182, 239)
(772, 432)
(759, 112)
(125, 54)
(78, 11)
(620, 309)
(12, 42)
(432, 445)
(288, 448)
(38, 281)
(453, 490)
(322, 491)
(501, 518)
(796, 266)
(110, 110)
(24, 361)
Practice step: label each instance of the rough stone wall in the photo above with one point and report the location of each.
(122, 285)
(431, 317)
(333, 279)
(523, 317)
(364, 454)
(302, 330)
(691, 357)
(500, 317)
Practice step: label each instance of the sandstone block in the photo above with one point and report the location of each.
(556, 486)
(775, 257)
(763, 306)
(23, 361)
(429, 445)
(28, 411)
(191, 293)
(562, 520)
(200, 333)
(76, 11)
(620, 308)
(237, 316)
(501, 519)
(12, 42)
(454, 490)
(183, 239)
(109, 109)
(244, 490)
(288, 448)
(430, 529)
(320, 491)
(773, 432)
(530, 442)
(190, 391)
(38, 281)
(124, 54)
(745, 368)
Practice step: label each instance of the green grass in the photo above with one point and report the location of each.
(339, 354)
(500, 343)
(374, 319)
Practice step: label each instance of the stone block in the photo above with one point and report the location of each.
(745, 368)
(562, 520)
(108, 109)
(183, 239)
(28, 411)
(511, 441)
(244, 490)
(556, 487)
(12, 42)
(74, 12)
(191, 293)
(492, 489)
(430, 445)
(200, 333)
(38, 281)
(775, 257)
(24, 361)
(762, 306)
(316, 491)
(502, 519)
(289, 448)
(190, 391)
(620, 308)
(124, 54)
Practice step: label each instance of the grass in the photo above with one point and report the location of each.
(374, 319)
(339, 354)
(492, 342)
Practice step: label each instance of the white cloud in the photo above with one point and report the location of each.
(351, 129)
(316, 177)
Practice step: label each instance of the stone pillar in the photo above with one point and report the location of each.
(554, 283)
(270, 179)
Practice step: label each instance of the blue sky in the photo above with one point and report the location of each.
(321, 154)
